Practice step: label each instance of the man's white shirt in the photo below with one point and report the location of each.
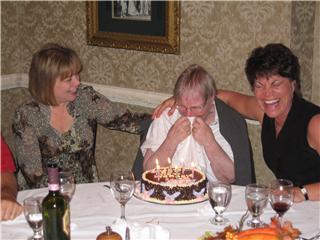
(188, 151)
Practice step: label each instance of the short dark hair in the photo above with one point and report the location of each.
(273, 59)
(49, 63)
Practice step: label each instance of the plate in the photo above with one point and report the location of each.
(145, 198)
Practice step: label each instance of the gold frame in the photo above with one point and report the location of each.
(170, 43)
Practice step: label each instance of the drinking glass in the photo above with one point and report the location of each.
(281, 196)
(122, 186)
(67, 184)
(256, 198)
(219, 197)
(33, 214)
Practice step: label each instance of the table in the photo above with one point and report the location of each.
(93, 208)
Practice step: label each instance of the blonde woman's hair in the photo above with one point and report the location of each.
(48, 64)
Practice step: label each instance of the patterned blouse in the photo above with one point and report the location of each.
(37, 142)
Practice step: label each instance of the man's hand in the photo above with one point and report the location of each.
(10, 209)
(179, 131)
(202, 132)
(168, 103)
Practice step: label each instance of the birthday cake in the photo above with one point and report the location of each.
(174, 185)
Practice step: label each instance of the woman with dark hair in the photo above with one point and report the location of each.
(290, 125)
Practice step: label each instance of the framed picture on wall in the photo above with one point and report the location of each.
(143, 25)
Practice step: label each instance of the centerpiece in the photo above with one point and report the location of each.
(273, 231)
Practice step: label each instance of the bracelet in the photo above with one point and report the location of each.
(304, 192)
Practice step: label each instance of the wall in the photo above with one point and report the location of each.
(217, 35)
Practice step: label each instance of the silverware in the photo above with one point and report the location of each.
(127, 237)
(107, 186)
(243, 219)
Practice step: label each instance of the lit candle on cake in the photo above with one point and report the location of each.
(170, 164)
(192, 169)
(157, 169)
(182, 166)
(176, 170)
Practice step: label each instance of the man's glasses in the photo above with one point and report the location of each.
(194, 110)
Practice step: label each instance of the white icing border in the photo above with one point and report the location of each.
(142, 197)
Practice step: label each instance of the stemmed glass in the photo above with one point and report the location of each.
(67, 184)
(122, 186)
(256, 198)
(33, 214)
(281, 196)
(219, 197)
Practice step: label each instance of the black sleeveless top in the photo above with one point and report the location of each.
(289, 156)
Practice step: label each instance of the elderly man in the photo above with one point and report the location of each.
(198, 132)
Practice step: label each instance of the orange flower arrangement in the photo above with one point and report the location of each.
(272, 232)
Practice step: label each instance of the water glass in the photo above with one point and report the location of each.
(256, 198)
(122, 186)
(67, 184)
(219, 197)
(33, 214)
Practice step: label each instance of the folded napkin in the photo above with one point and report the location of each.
(139, 231)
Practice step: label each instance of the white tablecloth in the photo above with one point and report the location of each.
(93, 208)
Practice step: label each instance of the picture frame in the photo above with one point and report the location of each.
(158, 31)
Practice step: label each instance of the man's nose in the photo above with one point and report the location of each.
(188, 113)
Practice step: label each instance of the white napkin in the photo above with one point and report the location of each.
(140, 231)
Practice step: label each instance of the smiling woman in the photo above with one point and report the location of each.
(290, 125)
(59, 124)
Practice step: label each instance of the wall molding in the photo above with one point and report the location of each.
(116, 94)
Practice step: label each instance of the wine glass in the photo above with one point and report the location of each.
(33, 214)
(256, 198)
(122, 186)
(67, 184)
(219, 197)
(281, 196)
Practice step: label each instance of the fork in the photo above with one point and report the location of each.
(127, 237)
(243, 219)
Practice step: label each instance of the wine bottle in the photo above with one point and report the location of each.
(55, 209)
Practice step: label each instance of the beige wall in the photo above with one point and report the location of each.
(217, 35)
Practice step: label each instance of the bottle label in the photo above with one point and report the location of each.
(54, 187)
(66, 222)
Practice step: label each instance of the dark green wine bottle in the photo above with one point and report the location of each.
(55, 209)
